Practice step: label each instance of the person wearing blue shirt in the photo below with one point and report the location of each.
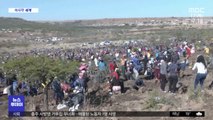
(102, 69)
(101, 65)
(137, 66)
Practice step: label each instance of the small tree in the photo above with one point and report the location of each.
(41, 68)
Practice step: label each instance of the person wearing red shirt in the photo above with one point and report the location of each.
(188, 52)
(116, 80)
(112, 66)
(65, 87)
(115, 74)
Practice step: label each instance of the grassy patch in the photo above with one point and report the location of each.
(155, 99)
(199, 97)
(13, 44)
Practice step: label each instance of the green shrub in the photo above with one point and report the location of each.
(41, 68)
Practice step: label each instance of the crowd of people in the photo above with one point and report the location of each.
(115, 65)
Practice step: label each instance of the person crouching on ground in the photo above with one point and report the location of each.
(117, 83)
(201, 67)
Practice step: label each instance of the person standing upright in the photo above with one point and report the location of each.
(163, 73)
(112, 66)
(201, 67)
(123, 66)
(157, 71)
(172, 76)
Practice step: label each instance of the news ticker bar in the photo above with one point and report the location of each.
(107, 114)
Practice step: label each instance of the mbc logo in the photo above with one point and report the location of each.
(196, 12)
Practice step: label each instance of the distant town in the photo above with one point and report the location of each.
(151, 21)
(87, 32)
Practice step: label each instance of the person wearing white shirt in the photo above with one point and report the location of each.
(96, 61)
(163, 74)
(201, 67)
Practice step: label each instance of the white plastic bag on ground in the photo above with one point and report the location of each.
(61, 106)
(6, 90)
